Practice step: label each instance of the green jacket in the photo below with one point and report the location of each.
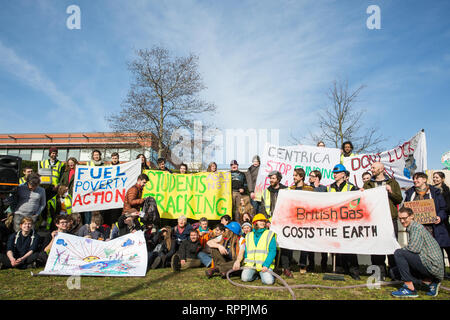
(395, 197)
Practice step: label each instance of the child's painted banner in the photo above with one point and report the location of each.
(400, 163)
(103, 187)
(340, 222)
(204, 194)
(70, 255)
(286, 159)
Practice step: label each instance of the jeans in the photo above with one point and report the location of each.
(204, 258)
(249, 275)
(410, 267)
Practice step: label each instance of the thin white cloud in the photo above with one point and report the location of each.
(33, 77)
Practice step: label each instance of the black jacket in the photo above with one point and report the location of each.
(189, 249)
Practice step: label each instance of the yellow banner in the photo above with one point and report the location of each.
(198, 195)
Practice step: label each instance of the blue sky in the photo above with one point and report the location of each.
(266, 64)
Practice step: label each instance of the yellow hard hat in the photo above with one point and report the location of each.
(259, 217)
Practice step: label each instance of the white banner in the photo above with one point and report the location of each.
(103, 187)
(338, 222)
(400, 163)
(70, 255)
(286, 159)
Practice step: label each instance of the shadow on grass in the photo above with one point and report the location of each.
(140, 286)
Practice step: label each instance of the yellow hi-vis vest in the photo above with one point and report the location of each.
(56, 170)
(267, 203)
(92, 164)
(342, 157)
(257, 254)
(344, 189)
(52, 204)
(22, 180)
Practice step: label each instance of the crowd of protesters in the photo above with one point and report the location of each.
(240, 240)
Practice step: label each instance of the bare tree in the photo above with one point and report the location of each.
(342, 121)
(162, 98)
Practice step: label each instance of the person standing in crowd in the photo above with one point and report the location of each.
(366, 176)
(26, 172)
(395, 198)
(238, 187)
(347, 151)
(183, 168)
(421, 191)
(22, 248)
(96, 159)
(111, 216)
(251, 174)
(162, 165)
(299, 184)
(56, 167)
(421, 259)
(225, 250)
(259, 254)
(345, 262)
(28, 201)
(68, 175)
(212, 167)
(115, 159)
(133, 197)
(439, 183)
(321, 144)
(144, 165)
(314, 181)
(268, 202)
(59, 204)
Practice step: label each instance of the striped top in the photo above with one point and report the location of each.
(423, 243)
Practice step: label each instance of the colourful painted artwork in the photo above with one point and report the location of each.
(121, 257)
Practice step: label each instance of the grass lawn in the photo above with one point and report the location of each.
(163, 284)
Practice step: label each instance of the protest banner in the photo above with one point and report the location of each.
(424, 210)
(205, 194)
(125, 256)
(103, 187)
(340, 222)
(286, 159)
(400, 163)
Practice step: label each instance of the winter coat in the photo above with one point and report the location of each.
(133, 199)
(395, 197)
(238, 181)
(189, 249)
(440, 231)
(250, 176)
(180, 237)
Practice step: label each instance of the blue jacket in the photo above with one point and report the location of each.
(440, 230)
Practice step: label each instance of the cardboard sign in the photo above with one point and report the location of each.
(424, 210)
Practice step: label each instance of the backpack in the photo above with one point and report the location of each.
(151, 213)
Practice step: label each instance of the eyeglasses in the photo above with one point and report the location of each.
(403, 219)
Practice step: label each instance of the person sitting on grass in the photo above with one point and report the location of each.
(163, 248)
(181, 231)
(62, 224)
(259, 254)
(128, 222)
(94, 230)
(203, 231)
(225, 219)
(225, 250)
(22, 248)
(421, 259)
(75, 224)
(187, 255)
(246, 228)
